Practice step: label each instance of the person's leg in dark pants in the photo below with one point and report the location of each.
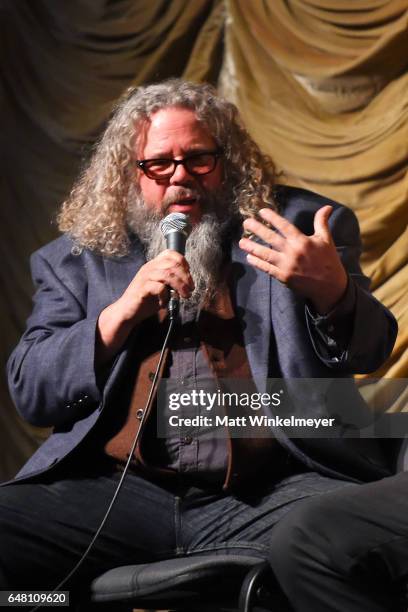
(244, 525)
(45, 528)
(345, 550)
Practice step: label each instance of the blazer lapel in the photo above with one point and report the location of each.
(251, 295)
(265, 306)
(293, 344)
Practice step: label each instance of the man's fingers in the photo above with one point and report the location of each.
(263, 252)
(178, 281)
(283, 225)
(170, 268)
(266, 234)
(321, 223)
(171, 258)
(266, 266)
(163, 295)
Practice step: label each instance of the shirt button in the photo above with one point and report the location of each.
(151, 375)
(139, 414)
(186, 440)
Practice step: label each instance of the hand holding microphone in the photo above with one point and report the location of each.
(175, 228)
(149, 290)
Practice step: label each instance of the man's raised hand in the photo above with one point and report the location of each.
(310, 265)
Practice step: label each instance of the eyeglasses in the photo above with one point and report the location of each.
(196, 164)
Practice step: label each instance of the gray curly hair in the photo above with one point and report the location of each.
(96, 211)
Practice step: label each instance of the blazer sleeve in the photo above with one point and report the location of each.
(359, 334)
(51, 372)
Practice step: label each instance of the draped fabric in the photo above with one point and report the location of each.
(322, 86)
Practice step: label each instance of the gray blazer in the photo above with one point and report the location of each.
(54, 383)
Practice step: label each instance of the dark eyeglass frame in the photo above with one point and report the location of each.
(141, 164)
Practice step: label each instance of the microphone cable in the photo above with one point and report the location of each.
(124, 473)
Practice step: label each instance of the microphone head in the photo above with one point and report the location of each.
(175, 222)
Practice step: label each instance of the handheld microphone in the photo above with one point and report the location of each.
(175, 228)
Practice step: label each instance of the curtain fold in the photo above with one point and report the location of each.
(294, 66)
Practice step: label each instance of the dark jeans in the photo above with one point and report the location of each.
(46, 526)
(346, 551)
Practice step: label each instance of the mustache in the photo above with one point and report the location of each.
(182, 193)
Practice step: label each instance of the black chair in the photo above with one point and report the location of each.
(206, 583)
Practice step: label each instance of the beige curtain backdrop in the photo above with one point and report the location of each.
(322, 87)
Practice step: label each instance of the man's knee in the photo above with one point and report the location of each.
(20, 528)
(312, 533)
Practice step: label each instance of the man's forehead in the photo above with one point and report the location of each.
(173, 126)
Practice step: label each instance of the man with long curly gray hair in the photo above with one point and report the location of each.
(270, 287)
(107, 200)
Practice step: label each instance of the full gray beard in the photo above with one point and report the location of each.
(204, 254)
(205, 247)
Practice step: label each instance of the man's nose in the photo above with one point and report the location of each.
(181, 176)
